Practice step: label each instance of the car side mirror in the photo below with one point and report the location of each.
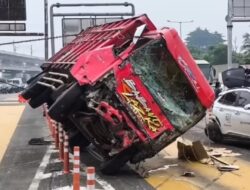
(247, 107)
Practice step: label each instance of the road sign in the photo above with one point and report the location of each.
(12, 27)
(12, 10)
(241, 9)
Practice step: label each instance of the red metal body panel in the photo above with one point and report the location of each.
(189, 67)
(136, 96)
(115, 33)
(92, 65)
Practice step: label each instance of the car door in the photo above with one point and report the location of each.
(224, 110)
(242, 115)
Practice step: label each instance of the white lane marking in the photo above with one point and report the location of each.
(105, 185)
(39, 173)
(46, 160)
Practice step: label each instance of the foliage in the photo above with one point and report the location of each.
(209, 46)
(217, 54)
(203, 39)
(246, 49)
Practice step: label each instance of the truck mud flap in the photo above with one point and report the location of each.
(63, 104)
(40, 99)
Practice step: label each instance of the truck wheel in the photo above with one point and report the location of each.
(64, 103)
(213, 132)
(33, 89)
(77, 139)
(39, 100)
(112, 166)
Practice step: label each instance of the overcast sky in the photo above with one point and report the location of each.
(208, 14)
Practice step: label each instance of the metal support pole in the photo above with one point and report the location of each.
(229, 34)
(46, 31)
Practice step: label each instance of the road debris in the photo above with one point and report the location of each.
(194, 152)
(227, 168)
(39, 141)
(165, 167)
(221, 152)
(188, 174)
(197, 152)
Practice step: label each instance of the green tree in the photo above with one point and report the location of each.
(217, 55)
(246, 43)
(203, 39)
(246, 49)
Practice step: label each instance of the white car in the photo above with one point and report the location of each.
(230, 116)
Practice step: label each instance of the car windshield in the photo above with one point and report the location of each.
(167, 84)
(206, 69)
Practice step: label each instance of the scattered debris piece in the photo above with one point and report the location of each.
(165, 167)
(221, 152)
(194, 152)
(39, 141)
(218, 160)
(188, 174)
(228, 168)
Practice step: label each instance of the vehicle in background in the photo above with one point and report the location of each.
(230, 116)
(11, 85)
(125, 87)
(207, 69)
(18, 82)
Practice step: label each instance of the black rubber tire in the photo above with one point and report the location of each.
(63, 104)
(33, 89)
(77, 139)
(213, 132)
(39, 100)
(112, 166)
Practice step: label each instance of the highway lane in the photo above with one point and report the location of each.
(22, 161)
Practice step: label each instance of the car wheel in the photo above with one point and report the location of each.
(213, 132)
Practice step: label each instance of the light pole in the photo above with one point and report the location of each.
(180, 24)
(46, 28)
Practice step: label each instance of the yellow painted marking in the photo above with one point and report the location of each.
(10, 116)
(206, 176)
(164, 182)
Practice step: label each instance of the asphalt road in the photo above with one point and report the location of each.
(197, 133)
(27, 166)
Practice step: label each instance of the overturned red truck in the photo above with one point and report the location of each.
(124, 87)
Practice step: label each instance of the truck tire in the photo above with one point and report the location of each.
(112, 166)
(63, 104)
(40, 99)
(213, 132)
(77, 139)
(34, 89)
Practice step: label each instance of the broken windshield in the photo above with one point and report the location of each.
(167, 84)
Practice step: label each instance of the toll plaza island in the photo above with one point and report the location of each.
(121, 103)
